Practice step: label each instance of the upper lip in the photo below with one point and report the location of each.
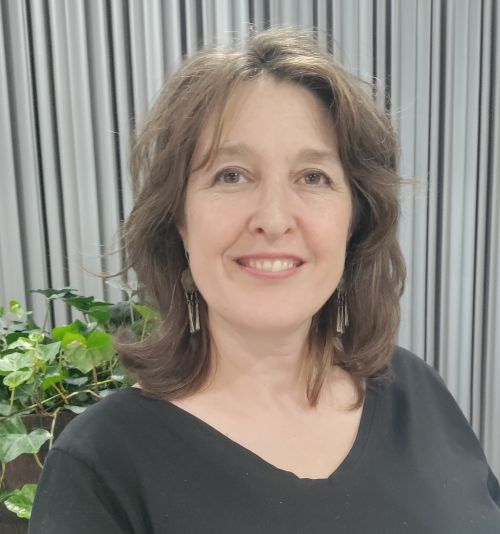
(271, 256)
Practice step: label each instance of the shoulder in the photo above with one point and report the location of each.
(404, 358)
(104, 426)
(418, 390)
(408, 369)
(404, 361)
(405, 371)
(413, 378)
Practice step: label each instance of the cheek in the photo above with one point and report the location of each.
(333, 220)
(344, 217)
(328, 237)
(213, 226)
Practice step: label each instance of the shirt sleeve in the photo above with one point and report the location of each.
(72, 497)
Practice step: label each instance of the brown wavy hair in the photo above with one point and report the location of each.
(174, 363)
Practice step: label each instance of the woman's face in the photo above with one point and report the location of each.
(267, 221)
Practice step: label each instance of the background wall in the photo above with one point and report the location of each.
(76, 75)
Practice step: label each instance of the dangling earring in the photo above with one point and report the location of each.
(192, 298)
(342, 316)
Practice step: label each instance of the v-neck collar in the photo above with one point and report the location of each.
(250, 461)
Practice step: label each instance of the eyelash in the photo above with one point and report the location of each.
(223, 172)
(315, 173)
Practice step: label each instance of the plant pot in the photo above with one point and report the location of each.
(25, 470)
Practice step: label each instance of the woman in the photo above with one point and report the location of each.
(273, 400)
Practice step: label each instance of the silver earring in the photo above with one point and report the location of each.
(342, 315)
(191, 298)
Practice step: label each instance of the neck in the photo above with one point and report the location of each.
(260, 369)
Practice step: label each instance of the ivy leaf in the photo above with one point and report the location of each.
(1, 311)
(70, 337)
(76, 381)
(129, 288)
(60, 331)
(25, 391)
(4, 494)
(101, 346)
(100, 340)
(48, 352)
(106, 392)
(15, 440)
(98, 351)
(16, 361)
(118, 378)
(15, 379)
(51, 379)
(21, 501)
(55, 293)
(75, 409)
(12, 337)
(80, 303)
(76, 356)
(13, 425)
(147, 312)
(100, 313)
(21, 342)
(120, 374)
(4, 409)
(17, 309)
(36, 337)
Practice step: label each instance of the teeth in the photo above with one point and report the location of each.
(273, 266)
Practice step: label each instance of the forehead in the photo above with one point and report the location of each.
(257, 109)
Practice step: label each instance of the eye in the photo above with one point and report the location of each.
(229, 176)
(317, 178)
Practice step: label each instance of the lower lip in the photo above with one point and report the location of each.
(269, 275)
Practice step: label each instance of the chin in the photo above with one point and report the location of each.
(273, 324)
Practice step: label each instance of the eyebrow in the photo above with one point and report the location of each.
(310, 154)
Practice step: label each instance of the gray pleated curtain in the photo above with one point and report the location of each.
(76, 75)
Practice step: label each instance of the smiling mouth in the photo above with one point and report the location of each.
(272, 266)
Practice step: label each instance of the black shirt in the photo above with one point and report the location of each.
(130, 464)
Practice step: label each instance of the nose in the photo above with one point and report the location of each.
(273, 214)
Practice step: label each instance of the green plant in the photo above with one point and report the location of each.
(67, 368)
